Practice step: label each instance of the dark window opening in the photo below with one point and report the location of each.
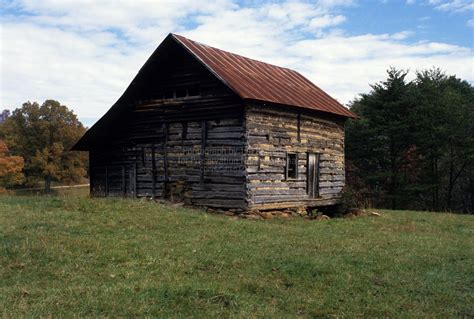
(168, 93)
(291, 166)
(194, 90)
(181, 92)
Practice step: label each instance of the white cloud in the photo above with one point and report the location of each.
(470, 23)
(326, 21)
(86, 53)
(453, 5)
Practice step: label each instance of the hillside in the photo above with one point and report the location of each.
(65, 256)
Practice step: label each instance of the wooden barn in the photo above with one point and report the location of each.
(213, 128)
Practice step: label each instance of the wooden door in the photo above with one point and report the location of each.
(312, 177)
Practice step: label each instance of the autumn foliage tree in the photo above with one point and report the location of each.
(43, 135)
(11, 168)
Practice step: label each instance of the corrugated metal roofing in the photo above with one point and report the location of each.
(256, 80)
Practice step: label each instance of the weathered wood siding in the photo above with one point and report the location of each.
(179, 148)
(207, 147)
(272, 133)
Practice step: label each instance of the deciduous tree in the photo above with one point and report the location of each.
(43, 135)
(11, 167)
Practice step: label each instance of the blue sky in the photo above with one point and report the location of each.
(84, 53)
(422, 18)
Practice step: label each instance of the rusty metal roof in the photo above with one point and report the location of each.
(260, 81)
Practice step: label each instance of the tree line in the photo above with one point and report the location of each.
(413, 145)
(34, 146)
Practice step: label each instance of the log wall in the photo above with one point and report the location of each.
(187, 136)
(176, 147)
(274, 132)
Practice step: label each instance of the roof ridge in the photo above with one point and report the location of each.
(232, 53)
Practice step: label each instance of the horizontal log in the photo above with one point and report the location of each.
(331, 183)
(277, 192)
(309, 203)
(222, 203)
(252, 186)
(332, 190)
(218, 195)
(219, 187)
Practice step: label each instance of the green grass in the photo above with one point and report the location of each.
(74, 256)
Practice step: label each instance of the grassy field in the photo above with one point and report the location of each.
(74, 256)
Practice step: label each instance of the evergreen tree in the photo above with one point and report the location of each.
(377, 143)
(413, 146)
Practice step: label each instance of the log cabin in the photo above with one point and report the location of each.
(212, 128)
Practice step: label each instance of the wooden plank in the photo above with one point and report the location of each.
(153, 170)
(203, 150)
(299, 127)
(106, 182)
(317, 174)
(310, 174)
(292, 132)
(184, 131)
(289, 204)
(124, 190)
(165, 151)
(223, 203)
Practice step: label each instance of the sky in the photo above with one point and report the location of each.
(84, 53)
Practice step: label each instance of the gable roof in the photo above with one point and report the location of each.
(260, 81)
(249, 79)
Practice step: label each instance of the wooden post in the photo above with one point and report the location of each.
(203, 149)
(184, 132)
(124, 190)
(91, 176)
(135, 180)
(165, 151)
(153, 170)
(318, 156)
(259, 164)
(106, 182)
(310, 174)
(298, 126)
(165, 159)
(312, 171)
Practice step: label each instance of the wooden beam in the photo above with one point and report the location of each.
(165, 151)
(124, 190)
(135, 179)
(203, 150)
(153, 170)
(165, 159)
(318, 157)
(298, 125)
(184, 132)
(106, 182)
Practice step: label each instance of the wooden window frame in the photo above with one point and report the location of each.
(287, 165)
(313, 190)
(171, 93)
